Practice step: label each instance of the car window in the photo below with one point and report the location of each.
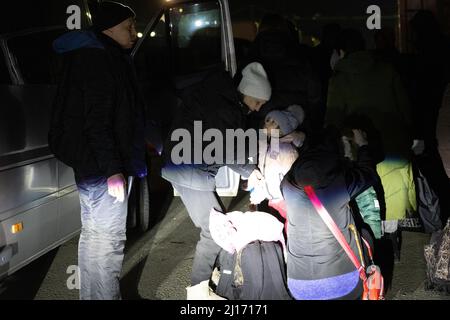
(196, 36)
(5, 77)
(186, 39)
(37, 61)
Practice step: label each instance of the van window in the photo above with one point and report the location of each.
(37, 61)
(196, 36)
(5, 77)
(187, 39)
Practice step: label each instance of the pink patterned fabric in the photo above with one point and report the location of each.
(234, 230)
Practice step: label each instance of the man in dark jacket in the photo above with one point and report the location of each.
(317, 266)
(217, 105)
(97, 128)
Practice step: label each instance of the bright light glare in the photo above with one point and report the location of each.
(140, 35)
(198, 23)
(153, 34)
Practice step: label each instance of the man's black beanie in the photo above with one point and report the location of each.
(108, 14)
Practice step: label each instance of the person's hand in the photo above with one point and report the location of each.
(258, 195)
(255, 180)
(360, 137)
(117, 187)
(296, 137)
(418, 147)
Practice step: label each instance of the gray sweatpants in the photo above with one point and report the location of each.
(102, 241)
(199, 205)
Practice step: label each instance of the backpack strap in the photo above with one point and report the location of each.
(369, 249)
(328, 220)
(360, 251)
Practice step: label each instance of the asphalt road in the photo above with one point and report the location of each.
(157, 264)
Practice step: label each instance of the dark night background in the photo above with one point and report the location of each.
(308, 16)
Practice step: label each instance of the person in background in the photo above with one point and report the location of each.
(289, 70)
(369, 203)
(363, 86)
(322, 55)
(443, 131)
(430, 77)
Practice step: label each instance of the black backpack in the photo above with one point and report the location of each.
(257, 272)
(437, 257)
(428, 205)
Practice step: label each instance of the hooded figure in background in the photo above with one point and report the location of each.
(289, 70)
(97, 128)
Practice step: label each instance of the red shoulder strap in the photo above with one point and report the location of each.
(328, 220)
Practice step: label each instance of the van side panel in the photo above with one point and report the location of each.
(23, 185)
(24, 119)
(36, 190)
(65, 176)
(39, 232)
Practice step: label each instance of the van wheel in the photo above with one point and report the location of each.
(133, 205)
(144, 205)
